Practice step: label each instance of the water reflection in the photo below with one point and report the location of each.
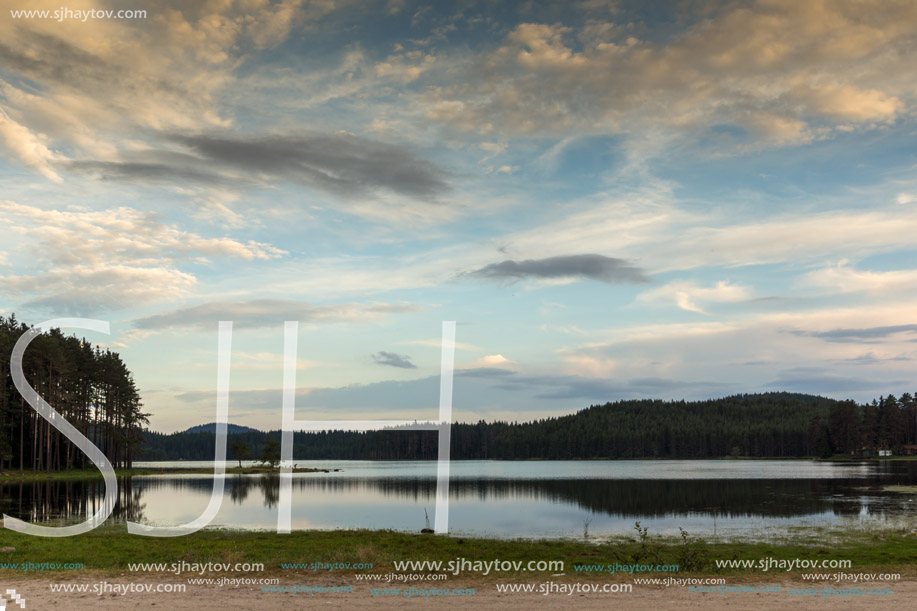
(68, 501)
(506, 507)
(267, 485)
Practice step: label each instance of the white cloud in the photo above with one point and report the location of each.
(690, 296)
(114, 259)
(28, 147)
(842, 278)
(589, 366)
(491, 360)
(82, 288)
(789, 350)
(214, 208)
(789, 237)
(257, 313)
(122, 235)
(438, 343)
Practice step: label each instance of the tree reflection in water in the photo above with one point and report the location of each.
(70, 501)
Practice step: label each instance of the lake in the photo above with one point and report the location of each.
(725, 499)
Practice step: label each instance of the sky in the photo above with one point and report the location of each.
(612, 199)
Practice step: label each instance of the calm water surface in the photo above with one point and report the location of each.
(722, 498)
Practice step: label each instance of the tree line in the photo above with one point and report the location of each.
(89, 386)
(758, 425)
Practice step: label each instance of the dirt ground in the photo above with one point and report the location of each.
(38, 596)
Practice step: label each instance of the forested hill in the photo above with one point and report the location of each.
(92, 388)
(761, 425)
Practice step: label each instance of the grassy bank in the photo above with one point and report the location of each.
(110, 549)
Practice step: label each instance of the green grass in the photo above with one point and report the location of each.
(11, 475)
(901, 489)
(110, 549)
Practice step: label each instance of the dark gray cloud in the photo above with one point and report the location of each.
(593, 267)
(858, 335)
(340, 163)
(159, 173)
(267, 313)
(391, 359)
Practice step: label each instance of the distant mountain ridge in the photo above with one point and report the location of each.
(766, 425)
(211, 427)
(775, 424)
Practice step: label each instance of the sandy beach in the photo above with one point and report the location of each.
(38, 595)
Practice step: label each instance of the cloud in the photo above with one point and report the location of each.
(93, 86)
(484, 372)
(405, 67)
(340, 163)
(153, 173)
(665, 361)
(87, 260)
(438, 343)
(783, 72)
(844, 279)
(590, 388)
(778, 129)
(847, 103)
(594, 367)
(82, 288)
(688, 295)
(650, 229)
(491, 360)
(83, 91)
(394, 6)
(859, 335)
(592, 267)
(477, 393)
(749, 351)
(258, 313)
(123, 235)
(28, 148)
(393, 360)
(822, 382)
(574, 387)
(787, 237)
(49, 58)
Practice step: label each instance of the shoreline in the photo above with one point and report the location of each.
(13, 475)
(86, 474)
